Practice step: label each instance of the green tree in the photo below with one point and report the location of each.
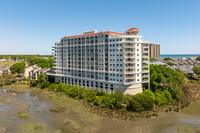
(196, 70)
(18, 68)
(153, 59)
(167, 59)
(164, 78)
(198, 58)
(170, 63)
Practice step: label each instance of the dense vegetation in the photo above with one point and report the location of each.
(198, 58)
(167, 59)
(170, 63)
(196, 70)
(118, 100)
(153, 59)
(166, 79)
(166, 85)
(7, 79)
(22, 57)
(43, 63)
(18, 68)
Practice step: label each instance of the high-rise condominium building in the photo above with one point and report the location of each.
(154, 50)
(107, 61)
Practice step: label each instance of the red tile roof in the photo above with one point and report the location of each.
(91, 34)
(132, 29)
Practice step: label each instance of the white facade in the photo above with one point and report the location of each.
(107, 61)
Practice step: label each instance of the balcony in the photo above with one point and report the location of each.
(129, 56)
(129, 61)
(145, 46)
(145, 75)
(129, 50)
(129, 46)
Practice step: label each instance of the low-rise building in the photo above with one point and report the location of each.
(28, 69)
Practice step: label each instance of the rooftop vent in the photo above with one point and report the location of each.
(88, 32)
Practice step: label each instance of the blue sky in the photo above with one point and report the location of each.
(32, 26)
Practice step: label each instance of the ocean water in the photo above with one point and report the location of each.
(180, 55)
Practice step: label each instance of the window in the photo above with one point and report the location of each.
(137, 64)
(137, 59)
(137, 44)
(137, 69)
(137, 54)
(137, 49)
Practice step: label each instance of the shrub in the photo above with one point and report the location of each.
(165, 78)
(170, 63)
(140, 102)
(149, 93)
(167, 59)
(162, 97)
(196, 70)
(198, 58)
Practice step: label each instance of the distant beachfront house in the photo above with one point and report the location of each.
(192, 58)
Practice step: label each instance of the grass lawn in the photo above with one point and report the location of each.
(7, 62)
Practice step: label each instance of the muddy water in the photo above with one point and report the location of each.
(12, 103)
(25, 102)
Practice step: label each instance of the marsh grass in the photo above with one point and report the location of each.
(32, 127)
(24, 115)
(72, 123)
(4, 100)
